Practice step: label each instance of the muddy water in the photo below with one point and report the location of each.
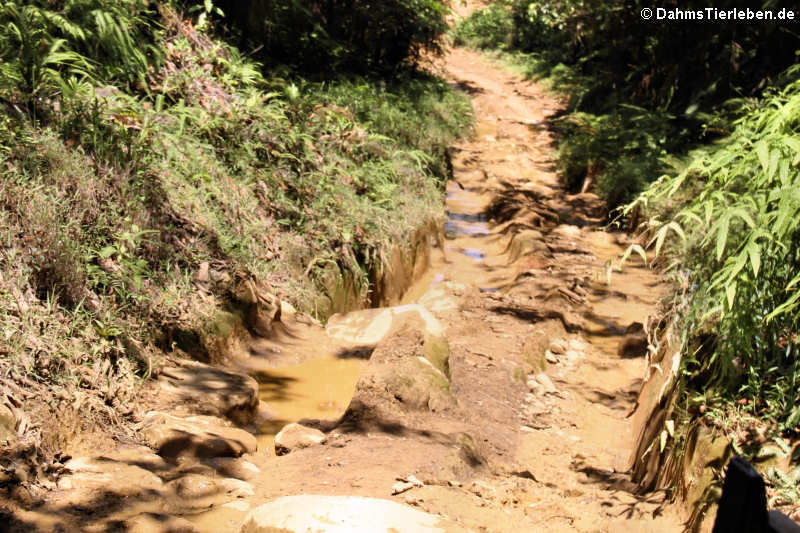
(320, 388)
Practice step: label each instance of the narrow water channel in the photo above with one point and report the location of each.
(321, 386)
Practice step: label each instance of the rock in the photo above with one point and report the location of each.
(295, 437)
(401, 486)
(235, 467)
(203, 437)
(550, 357)
(197, 487)
(8, 425)
(103, 475)
(202, 275)
(369, 327)
(634, 343)
(409, 367)
(342, 514)
(237, 505)
(526, 242)
(558, 347)
(406, 483)
(439, 300)
(211, 390)
(483, 490)
(541, 384)
(534, 386)
(192, 486)
(567, 231)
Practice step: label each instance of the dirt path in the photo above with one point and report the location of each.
(524, 428)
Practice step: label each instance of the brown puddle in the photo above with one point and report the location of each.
(320, 388)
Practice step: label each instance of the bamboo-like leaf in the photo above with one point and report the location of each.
(634, 248)
(754, 251)
(744, 215)
(730, 293)
(794, 144)
(662, 235)
(722, 235)
(785, 307)
(794, 282)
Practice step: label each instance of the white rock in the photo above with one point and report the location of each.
(296, 436)
(546, 384)
(341, 514)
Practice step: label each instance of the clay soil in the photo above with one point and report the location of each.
(523, 268)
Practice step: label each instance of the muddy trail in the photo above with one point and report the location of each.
(494, 398)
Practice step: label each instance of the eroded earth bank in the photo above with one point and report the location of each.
(495, 398)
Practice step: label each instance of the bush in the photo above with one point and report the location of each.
(731, 218)
(492, 27)
(357, 36)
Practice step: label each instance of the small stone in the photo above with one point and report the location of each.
(413, 500)
(8, 431)
(406, 483)
(546, 384)
(482, 490)
(534, 386)
(558, 347)
(295, 437)
(550, 357)
(202, 275)
(401, 487)
(411, 478)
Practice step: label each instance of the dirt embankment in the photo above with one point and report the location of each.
(496, 400)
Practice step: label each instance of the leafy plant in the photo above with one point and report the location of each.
(341, 35)
(736, 205)
(492, 27)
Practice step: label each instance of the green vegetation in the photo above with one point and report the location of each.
(147, 167)
(327, 36)
(730, 220)
(490, 28)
